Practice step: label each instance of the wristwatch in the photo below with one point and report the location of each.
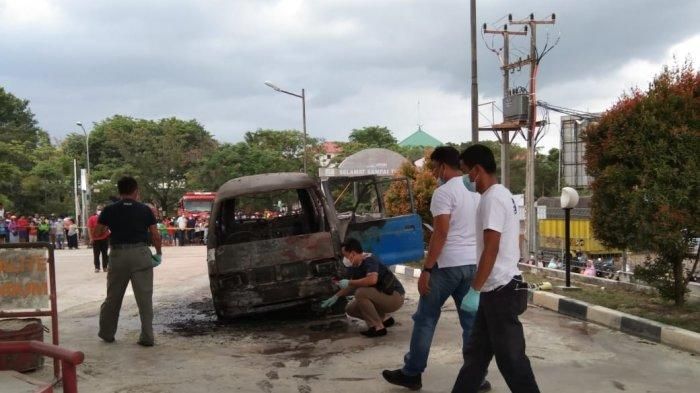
(427, 269)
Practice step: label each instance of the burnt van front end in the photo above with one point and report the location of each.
(271, 245)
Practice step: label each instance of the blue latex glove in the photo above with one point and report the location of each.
(343, 283)
(329, 302)
(470, 303)
(156, 259)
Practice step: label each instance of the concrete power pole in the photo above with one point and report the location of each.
(533, 60)
(475, 84)
(505, 137)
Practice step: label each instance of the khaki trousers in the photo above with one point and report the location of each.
(372, 306)
(128, 265)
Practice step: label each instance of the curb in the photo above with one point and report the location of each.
(649, 330)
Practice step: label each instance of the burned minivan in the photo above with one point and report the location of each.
(274, 239)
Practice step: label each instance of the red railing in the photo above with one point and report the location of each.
(69, 360)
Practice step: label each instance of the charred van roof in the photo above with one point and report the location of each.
(263, 183)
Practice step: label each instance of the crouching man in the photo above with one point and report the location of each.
(377, 291)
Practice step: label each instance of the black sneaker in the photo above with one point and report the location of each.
(145, 343)
(485, 386)
(397, 377)
(106, 339)
(372, 332)
(389, 322)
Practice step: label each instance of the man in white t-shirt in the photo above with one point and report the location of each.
(181, 229)
(497, 294)
(448, 268)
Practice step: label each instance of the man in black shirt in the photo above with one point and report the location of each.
(131, 223)
(377, 291)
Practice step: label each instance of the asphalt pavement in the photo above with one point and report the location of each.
(293, 352)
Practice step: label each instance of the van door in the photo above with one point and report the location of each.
(380, 213)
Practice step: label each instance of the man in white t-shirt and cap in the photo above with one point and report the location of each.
(448, 268)
(497, 294)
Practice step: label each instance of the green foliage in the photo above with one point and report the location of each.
(547, 174)
(262, 151)
(33, 172)
(374, 136)
(17, 123)
(423, 185)
(159, 154)
(546, 168)
(643, 155)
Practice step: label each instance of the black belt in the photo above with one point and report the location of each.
(128, 245)
(517, 278)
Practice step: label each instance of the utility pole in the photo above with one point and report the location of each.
(533, 60)
(475, 84)
(75, 188)
(505, 137)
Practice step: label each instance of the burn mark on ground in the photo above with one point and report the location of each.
(265, 386)
(304, 389)
(307, 377)
(195, 319)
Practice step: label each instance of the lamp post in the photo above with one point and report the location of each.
(569, 200)
(88, 193)
(87, 152)
(303, 110)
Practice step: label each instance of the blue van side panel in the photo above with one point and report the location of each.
(394, 240)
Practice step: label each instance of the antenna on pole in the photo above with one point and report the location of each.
(420, 125)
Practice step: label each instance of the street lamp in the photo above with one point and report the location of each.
(88, 193)
(569, 200)
(87, 147)
(303, 110)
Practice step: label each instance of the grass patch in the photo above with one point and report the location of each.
(635, 303)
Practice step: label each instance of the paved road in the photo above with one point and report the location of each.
(296, 354)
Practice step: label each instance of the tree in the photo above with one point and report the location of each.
(374, 136)
(17, 122)
(32, 176)
(263, 151)
(547, 173)
(160, 154)
(423, 184)
(643, 156)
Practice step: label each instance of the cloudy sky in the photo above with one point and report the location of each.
(362, 62)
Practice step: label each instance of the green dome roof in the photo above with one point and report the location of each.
(420, 138)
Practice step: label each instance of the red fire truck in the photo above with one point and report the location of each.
(196, 204)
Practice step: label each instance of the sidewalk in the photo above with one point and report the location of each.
(626, 323)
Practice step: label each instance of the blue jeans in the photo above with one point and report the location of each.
(444, 282)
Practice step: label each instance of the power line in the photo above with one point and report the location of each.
(569, 111)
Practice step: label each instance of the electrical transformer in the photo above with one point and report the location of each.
(516, 107)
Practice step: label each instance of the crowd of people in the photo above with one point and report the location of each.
(63, 231)
(184, 230)
(60, 231)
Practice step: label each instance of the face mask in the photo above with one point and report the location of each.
(346, 262)
(471, 186)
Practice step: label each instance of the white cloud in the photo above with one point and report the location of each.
(362, 62)
(26, 14)
(596, 94)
